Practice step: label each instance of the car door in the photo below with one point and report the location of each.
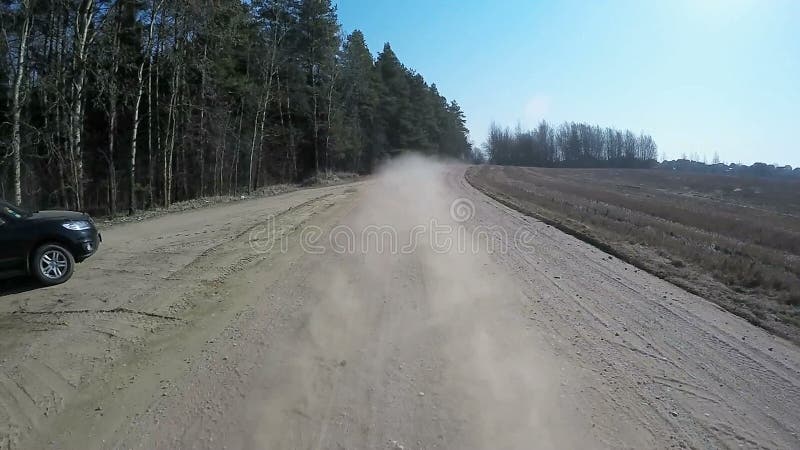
(12, 244)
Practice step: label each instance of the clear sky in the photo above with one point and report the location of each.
(698, 75)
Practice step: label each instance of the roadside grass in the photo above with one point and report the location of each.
(323, 180)
(732, 240)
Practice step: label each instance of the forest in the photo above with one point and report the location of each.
(110, 106)
(569, 145)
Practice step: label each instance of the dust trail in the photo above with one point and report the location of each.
(424, 346)
(508, 386)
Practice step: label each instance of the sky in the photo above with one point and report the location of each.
(700, 76)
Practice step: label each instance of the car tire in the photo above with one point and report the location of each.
(52, 264)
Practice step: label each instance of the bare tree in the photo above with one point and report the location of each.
(18, 64)
(172, 115)
(156, 5)
(83, 24)
(276, 37)
(151, 116)
(111, 88)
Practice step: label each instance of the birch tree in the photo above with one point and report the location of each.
(17, 62)
(148, 44)
(236, 94)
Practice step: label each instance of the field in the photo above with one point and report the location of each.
(732, 240)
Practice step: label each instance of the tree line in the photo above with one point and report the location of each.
(569, 145)
(758, 169)
(114, 105)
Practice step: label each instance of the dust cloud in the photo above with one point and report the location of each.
(508, 387)
(424, 346)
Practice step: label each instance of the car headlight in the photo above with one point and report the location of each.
(77, 225)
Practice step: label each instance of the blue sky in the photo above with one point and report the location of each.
(698, 75)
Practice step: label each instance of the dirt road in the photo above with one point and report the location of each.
(407, 311)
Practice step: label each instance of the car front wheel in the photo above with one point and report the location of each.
(52, 264)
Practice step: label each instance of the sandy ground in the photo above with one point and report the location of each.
(406, 311)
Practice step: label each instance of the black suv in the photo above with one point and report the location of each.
(45, 244)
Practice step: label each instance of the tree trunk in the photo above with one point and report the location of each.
(157, 128)
(292, 139)
(112, 172)
(138, 102)
(316, 132)
(252, 153)
(171, 130)
(83, 22)
(329, 122)
(263, 120)
(134, 137)
(150, 118)
(150, 133)
(202, 147)
(61, 119)
(234, 178)
(112, 120)
(16, 105)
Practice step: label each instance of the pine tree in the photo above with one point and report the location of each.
(359, 97)
(394, 110)
(318, 43)
(149, 102)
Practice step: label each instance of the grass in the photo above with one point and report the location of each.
(730, 239)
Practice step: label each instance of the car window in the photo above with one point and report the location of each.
(10, 212)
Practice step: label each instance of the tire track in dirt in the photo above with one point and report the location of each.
(377, 350)
(714, 378)
(104, 343)
(552, 344)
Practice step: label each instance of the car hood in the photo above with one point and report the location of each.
(41, 216)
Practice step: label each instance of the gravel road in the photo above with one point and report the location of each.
(408, 311)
